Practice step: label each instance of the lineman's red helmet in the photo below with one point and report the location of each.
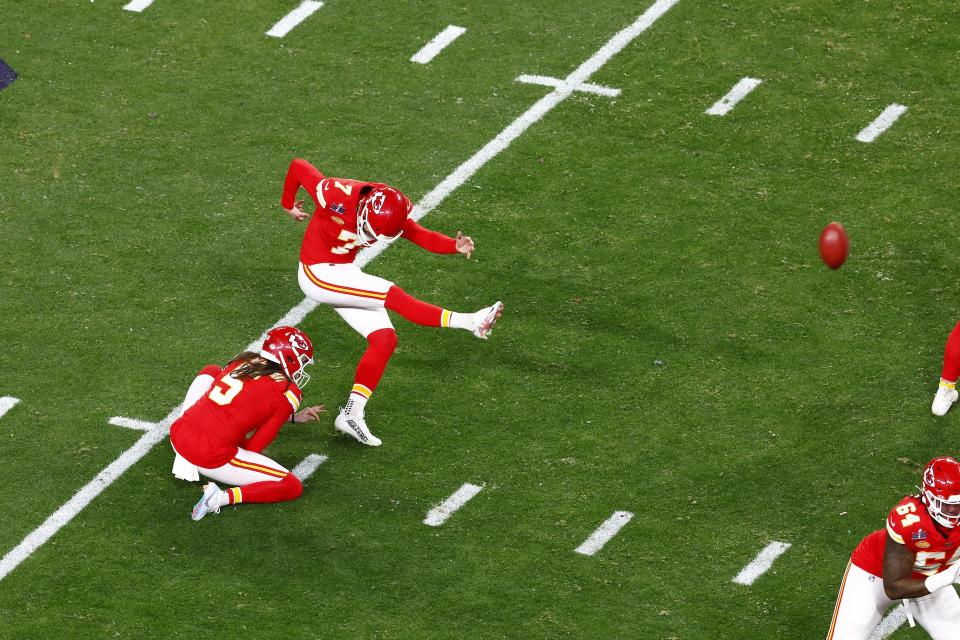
(291, 349)
(941, 490)
(381, 215)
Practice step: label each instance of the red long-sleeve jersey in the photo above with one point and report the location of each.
(331, 234)
(209, 433)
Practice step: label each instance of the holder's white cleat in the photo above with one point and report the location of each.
(203, 507)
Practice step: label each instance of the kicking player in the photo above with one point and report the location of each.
(348, 215)
(947, 391)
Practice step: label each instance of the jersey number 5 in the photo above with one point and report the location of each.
(231, 387)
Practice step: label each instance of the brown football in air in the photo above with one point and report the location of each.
(834, 245)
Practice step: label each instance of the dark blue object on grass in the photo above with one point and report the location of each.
(7, 74)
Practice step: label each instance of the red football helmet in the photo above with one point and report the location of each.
(941, 490)
(381, 214)
(291, 349)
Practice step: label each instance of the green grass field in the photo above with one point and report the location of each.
(141, 163)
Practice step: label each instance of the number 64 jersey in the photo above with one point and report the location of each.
(910, 524)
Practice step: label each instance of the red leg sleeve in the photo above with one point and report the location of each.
(381, 344)
(289, 488)
(951, 356)
(416, 311)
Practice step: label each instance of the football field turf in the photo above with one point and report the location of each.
(672, 346)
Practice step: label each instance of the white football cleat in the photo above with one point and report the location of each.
(943, 400)
(203, 507)
(486, 318)
(356, 427)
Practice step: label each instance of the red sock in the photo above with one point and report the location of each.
(381, 344)
(951, 356)
(416, 311)
(289, 488)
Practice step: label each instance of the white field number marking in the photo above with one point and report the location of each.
(137, 5)
(723, 106)
(306, 9)
(7, 403)
(762, 563)
(439, 514)
(604, 533)
(441, 41)
(308, 465)
(296, 315)
(882, 123)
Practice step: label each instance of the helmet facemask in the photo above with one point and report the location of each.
(941, 490)
(372, 203)
(945, 510)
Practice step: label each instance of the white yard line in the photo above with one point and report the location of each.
(547, 81)
(723, 106)
(430, 201)
(439, 514)
(137, 5)
(306, 9)
(308, 465)
(440, 42)
(466, 170)
(604, 533)
(894, 620)
(7, 403)
(130, 423)
(85, 496)
(762, 563)
(882, 123)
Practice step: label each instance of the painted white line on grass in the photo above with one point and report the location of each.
(439, 514)
(7, 403)
(130, 423)
(762, 563)
(556, 82)
(604, 533)
(430, 201)
(723, 106)
(137, 5)
(882, 123)
(87, 493)
(466, 170)
(894, 620)
(295, 17)
(308, 465)
(441, 41)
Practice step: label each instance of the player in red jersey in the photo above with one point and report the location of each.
(916, 558)
(947, 391)
(348, 215)
(255, 392)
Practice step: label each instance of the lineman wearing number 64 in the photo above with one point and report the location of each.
(916, 558)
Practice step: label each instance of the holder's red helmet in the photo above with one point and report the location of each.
(291, 349)
(381, 214)
(941, 490)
